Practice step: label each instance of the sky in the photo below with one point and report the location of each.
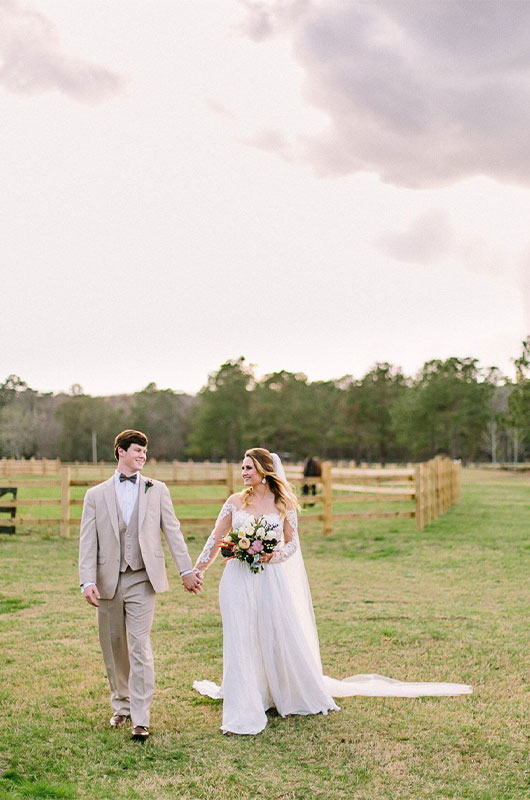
(313, 185)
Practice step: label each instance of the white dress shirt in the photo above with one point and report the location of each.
(127, 494)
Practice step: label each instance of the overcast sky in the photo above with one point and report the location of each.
(314, 185)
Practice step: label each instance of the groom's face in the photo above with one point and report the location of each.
(132, 459)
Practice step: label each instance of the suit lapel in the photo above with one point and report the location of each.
(110, 498)
(142, 503)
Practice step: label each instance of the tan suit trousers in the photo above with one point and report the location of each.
(124, 633)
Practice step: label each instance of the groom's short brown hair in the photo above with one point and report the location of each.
(126, 438)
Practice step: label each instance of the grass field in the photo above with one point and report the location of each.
(452, 603)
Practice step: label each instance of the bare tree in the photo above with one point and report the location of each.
(16, 431)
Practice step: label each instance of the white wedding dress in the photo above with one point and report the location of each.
(271, 655)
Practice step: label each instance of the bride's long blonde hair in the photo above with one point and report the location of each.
(284, 496)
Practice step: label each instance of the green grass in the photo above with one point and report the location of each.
(452, 603)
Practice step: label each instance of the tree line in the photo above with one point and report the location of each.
(452, 406)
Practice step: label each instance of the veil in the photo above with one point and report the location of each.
(369, 685)
(298, 585)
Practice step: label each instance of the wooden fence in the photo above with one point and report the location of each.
(422, 492)
(10, 467)
(437, 489)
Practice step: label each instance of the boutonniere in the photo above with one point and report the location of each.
(148, 485)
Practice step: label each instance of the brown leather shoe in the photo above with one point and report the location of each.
(140, 732)
(119, 720)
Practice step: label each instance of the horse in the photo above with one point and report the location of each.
(312, 469)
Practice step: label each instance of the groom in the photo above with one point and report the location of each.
(122, 566)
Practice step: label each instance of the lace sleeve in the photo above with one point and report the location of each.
(222, 526)
(291, 544)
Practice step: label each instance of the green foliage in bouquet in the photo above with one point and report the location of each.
(257, 536)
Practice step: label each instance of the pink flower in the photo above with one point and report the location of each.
(255, 547)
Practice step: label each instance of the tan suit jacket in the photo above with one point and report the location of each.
(99, 545)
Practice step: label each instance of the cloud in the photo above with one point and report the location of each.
(431, 240)
(264, 19)
(31, 59)
(422, 93)
(218, 108)
(271, 141)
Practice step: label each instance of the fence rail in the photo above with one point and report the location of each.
(10, 467)
(30, 466)
(422, 492)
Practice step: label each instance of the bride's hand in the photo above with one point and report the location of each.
(265, 557)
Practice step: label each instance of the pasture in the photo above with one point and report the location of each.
(450, 603)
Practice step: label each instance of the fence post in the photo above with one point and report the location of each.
(443, 486)
(65, 502)
(441, 472)
(327, 498)
(448, 484)
(456, 482)
(437, 487)
(434, 488)
(229, 478)
(420, 498)
(429, 491)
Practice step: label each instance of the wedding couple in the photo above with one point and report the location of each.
(271, 654)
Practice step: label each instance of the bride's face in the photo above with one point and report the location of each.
(249, 473)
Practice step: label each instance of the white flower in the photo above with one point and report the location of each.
(248, 528)
(270, 535)
(260, 532)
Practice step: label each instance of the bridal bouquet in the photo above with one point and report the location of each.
(257, 536)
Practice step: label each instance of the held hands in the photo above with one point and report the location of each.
(92, 595)
(193, 581)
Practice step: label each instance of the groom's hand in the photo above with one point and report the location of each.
(92, 595)
(192, 582)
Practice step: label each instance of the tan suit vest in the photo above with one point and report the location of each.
(130, 553)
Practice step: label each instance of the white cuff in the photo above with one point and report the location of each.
(186, 572)
(86, 585)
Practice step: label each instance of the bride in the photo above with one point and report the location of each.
(271, 655)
